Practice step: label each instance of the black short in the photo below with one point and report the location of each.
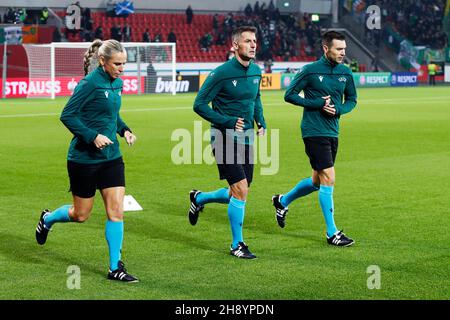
(235, 165)
(85, 179)
(321, 151)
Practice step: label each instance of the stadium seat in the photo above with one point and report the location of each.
(188, 36)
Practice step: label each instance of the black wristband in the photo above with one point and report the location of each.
(123, 131)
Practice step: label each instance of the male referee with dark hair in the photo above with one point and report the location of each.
(329, 93)
(233, 90)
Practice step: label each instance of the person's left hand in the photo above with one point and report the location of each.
(329, 109)
(261, 130)
(129, 138)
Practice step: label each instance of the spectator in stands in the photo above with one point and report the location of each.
(150, 80)
(158, 37)
(228, 25)
(88, 24)
(110, 8)
(44, 16)
(271, 10)
(354, 66)
(268, 66)
(256, 9)
(189, 14)
(374, 65)
(432, 73)
(99, 33)
(171, 37)
(119, 33)
(151, 72)
(126, 33)
(215, 23)
(87, 35)
(21, 15)
(230, 54)
(56, 37)
(116, 32)
(87, 14)
(221, 40)
(248, 10)
(265, 52)
(146, 36)
(206, 42)
(263, 11)
(419, 21)
(10, 16)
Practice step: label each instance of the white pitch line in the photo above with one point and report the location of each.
(366, 101)
(28, 115)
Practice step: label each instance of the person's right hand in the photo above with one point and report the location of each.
(102, 141)
(239, 126)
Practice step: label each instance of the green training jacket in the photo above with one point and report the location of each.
(319, 79)
(94, 109)
(233, 91)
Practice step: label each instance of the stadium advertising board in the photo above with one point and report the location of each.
(269, 81)
(286, 79)
(30, 34)
(372, 79)
(63, 86)
(404, 79)
(165, 84)
(11, 34)
(447, 73)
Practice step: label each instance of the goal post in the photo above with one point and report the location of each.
(56, 68)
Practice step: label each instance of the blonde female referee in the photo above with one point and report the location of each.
(94, 160)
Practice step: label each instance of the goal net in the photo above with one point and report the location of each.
(56, 68)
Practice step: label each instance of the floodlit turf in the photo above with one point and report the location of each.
(392, 196)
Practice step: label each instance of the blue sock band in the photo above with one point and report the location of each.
(326, 203)
(302, 189)
(218, 196)
(236, 212)
(59, 215)
(114, 237)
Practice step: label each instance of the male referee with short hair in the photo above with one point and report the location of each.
(329, 93)
(233, 90)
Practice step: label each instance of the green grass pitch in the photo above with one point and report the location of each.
(392, 196)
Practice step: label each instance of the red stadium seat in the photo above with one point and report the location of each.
(188, 36)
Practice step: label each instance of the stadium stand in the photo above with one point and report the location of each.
(277, 34)
(419, 21)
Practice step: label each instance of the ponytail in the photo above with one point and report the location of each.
(91, 56)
